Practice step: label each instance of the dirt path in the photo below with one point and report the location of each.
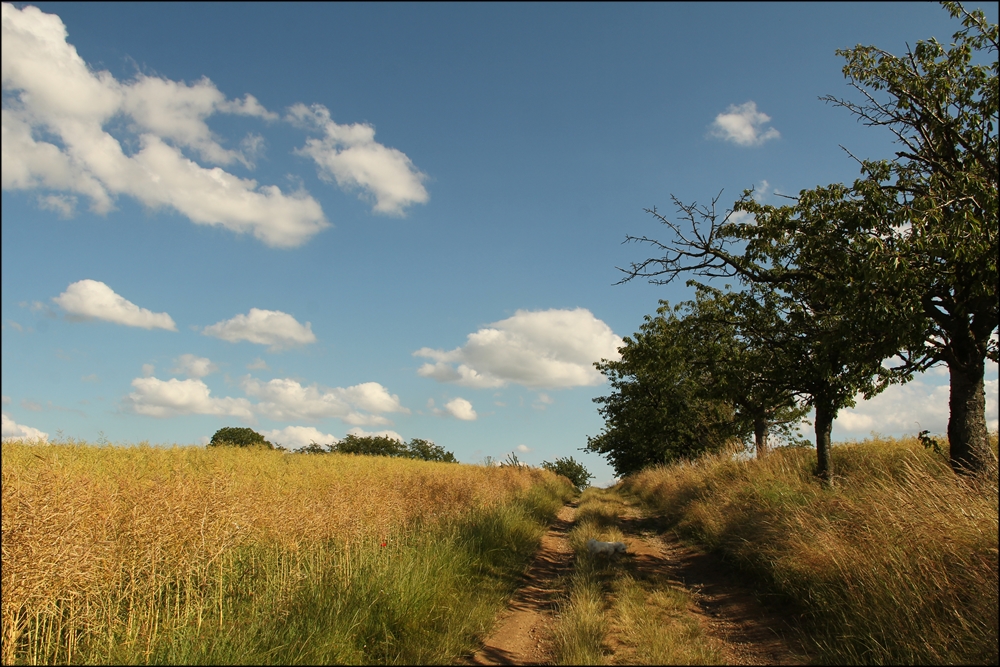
(746, 632)
(523, 633)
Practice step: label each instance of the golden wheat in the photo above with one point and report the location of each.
(99, 541)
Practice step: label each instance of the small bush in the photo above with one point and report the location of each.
(571, 470)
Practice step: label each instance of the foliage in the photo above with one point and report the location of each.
(380, 445)
(690, 381)
(902, 263)
(572, 470)
(232, 436)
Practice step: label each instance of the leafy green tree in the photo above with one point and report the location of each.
(659, 410)
(370, 445)
(572, 470)
(232, 436)
(902, 264)
(426, 450)
(312, 448)
(938, 199)
(380, 445)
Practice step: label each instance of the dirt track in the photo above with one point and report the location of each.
(746, 632)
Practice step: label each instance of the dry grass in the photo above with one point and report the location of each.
(612, 617)
(105, 547)
(896, 564)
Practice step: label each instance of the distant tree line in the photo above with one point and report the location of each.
(367, 445)
(844, 291)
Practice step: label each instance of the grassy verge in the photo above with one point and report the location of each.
(195, 557)
(611, 616)
(897, 564)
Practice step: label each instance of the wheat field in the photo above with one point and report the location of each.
(109, 552)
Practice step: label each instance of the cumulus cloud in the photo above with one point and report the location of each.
(549, 348)
(909, 408)
(524, 449)
(350, 156)
(92, 299)
(459, 408)
(264, 327)
(287, 399)
(743, 125)
(169, 398)
(53, 93)
(193, 367)
(11, 430)
(295, 437)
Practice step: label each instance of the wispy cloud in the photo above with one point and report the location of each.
(743, 125)
(549, 348)
(192, 366)
(92, 299)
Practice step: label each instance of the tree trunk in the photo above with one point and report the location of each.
(824, 425)
(967, 437)
(760, 436)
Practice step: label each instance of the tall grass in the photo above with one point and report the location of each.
(188, 555)
(612, 616)
(897, 564)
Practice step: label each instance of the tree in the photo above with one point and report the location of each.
(659, 409)
(232, 436)
(572, 470)
(903, 263)
(939, 196)
(426, 450)
(691, 381)
(381, 445)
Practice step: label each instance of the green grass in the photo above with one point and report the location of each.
(896, 564)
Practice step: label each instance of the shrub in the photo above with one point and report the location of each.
(232, 436)
(571, 470)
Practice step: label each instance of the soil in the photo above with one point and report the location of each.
(746, 632)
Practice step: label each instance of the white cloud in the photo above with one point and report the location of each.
(158, 398)
(459, 408)
(743, 125)
(349, 155)
(910, 408)
(294, 437)
(64, 205)
(87, 299)
(55, 94)
(550, 348)
(264, 327)
(147, 370)
(11, 430)
(286, 399)
(524, 449)
(193, 367)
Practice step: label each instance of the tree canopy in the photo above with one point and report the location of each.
(902, 264)
(233, 436)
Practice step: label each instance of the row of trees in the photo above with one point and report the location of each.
(380, 445)
(844, 291)
(369, 445)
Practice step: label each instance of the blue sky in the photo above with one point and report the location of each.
(315, 219)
